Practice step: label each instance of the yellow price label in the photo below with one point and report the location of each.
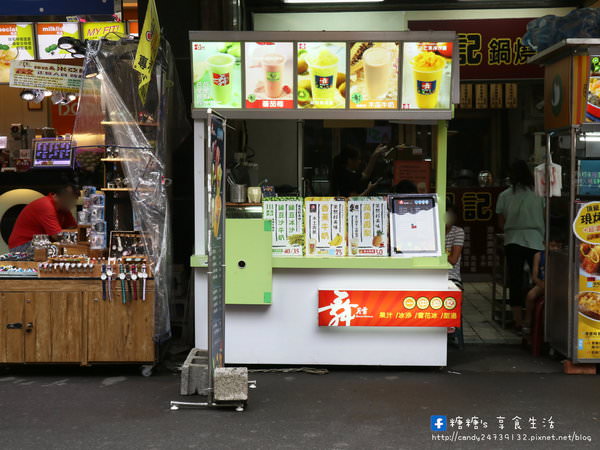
(587, 223)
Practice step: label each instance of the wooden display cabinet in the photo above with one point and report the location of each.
(67, 321)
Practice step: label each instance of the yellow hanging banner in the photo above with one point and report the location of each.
(147, 49)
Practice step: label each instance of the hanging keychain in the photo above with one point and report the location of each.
(109, 274)
(122, 278)
(103, 277)
(134, 277)
(144, 276)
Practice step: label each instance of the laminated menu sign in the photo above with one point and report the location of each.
(588, 298)
(325, 226)
(321, 72)
(367, 226)
(16, 43)
(287, 220)
(414, 225)
(374, 75)
(269, 75)
(216, 75)
(427, 75)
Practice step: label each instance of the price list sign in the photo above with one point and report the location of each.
(53, 153)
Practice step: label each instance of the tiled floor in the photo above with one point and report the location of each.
(478, 327)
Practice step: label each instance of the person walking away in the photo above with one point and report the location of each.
(521, 217)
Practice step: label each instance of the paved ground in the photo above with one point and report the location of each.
(350, 408)
(477, 317)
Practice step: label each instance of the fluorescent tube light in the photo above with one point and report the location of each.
(333, 1)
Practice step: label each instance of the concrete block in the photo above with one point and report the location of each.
(194, 373)
(231, 384)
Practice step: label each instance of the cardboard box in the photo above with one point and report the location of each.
(326, 233)
(287, 224)
(368, 226)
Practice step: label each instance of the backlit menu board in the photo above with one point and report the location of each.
(48, 35)
(16, 43)
(269, 75)
(52, 153)
(374, 75)
(321, 72)
(325, 75)
(427, 75)
(217, 81)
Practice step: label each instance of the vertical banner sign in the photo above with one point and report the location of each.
(147, 49)
(481, 96)
(466, 96)
(496, 98)
(510, 94)
(587, 308)
(215, 189)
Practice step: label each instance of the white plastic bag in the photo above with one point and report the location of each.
(539, 174)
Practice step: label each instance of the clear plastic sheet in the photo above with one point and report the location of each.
(111, 115)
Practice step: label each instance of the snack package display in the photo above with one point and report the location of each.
(368, 226)
(325, 226)
(287, 218)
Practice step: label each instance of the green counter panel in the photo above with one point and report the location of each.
(349, 262)
(248, 272)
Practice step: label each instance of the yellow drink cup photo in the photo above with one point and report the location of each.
(378, 70)
(323, 71)
(221, 68)
(428, 69)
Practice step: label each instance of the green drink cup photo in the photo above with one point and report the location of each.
(221, 68)
(323, 71)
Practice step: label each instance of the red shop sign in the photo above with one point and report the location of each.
(489, 49)
(389, 308)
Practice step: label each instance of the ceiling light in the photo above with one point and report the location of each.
(47, 92)
(71, 97)
(91, 69)
(27, 95)
(333, 1)
(66, 42)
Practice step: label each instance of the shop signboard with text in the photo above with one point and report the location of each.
(587, 300)
(489, 49)
(348, 308)
(40, 75)
(49, 33)
(16, 43)
(93, 31)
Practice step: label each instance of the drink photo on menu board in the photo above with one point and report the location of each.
(48, 35)
(427, 75)
(16, 43)
(321, 75)
(216, 72)
(269, 75)
(374, 75)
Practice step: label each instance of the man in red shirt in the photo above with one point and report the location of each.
(47, 215)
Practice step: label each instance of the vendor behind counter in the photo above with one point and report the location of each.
(48, 215)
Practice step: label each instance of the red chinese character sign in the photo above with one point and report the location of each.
(489, 48)
(340, 308)
(269, 75)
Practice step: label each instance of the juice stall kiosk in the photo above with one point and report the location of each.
(572, 175)
(322, 280)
